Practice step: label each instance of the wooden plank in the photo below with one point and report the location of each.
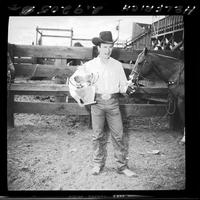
(26, 70)
(143, 110)
(34, 60)
(23, 60)
(39, 89)
(84, 53)
(152, 90)
(158, 99)
(127, 55)
(146, 110)
(32, 88)
(42, 93)
(49, 108)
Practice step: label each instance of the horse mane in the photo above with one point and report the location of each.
(165, 56)
(169, 65)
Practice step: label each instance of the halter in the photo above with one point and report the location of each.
(139, 75)
(169, 83)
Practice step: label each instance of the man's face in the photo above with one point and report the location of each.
(105, 50)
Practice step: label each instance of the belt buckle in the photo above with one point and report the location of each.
(106, 96)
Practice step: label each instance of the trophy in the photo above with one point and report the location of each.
(84, 87)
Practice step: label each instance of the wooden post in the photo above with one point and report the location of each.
(59, 80)
(59, 98)
(175, 121)
(71, 37)
(10, 110)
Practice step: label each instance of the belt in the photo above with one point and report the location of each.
(107, 96)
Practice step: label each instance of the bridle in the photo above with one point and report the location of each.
(171, 101)
(138, 75)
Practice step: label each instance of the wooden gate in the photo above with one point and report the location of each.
(25, 66)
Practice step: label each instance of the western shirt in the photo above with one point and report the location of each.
(109, 77)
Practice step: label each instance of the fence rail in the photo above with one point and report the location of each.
(44, 89)
(63, 108)
(73, 108)
(169, 24)
(84, 53)
(141, 110)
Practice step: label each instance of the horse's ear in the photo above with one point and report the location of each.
(145, 51)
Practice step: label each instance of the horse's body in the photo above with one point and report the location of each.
(168, 69)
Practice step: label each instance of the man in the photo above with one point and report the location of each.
(111, 81)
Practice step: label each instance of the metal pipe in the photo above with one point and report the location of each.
(61, 36)
(81, 39)
(54, 29)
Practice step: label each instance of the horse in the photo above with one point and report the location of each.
(168, 69)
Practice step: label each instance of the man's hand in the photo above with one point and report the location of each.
(131, 87)
(80, 103)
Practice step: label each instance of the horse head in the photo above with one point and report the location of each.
(142, 67)
(166, 68)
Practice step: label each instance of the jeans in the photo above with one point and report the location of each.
(108, 110)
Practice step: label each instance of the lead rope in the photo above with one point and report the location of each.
(171, 100)
(171, 104)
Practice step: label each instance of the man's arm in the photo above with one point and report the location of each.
(125, 85)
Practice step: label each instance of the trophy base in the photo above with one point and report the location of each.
(88, 103)
(87, 95)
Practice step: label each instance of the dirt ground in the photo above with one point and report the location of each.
(49, 152)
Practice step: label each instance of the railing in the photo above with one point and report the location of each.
(168, 24)
(25, 70)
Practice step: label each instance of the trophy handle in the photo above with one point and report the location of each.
(72, 83)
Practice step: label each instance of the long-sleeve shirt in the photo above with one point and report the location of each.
(110, 77)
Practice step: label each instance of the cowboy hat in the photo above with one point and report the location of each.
(104, 37)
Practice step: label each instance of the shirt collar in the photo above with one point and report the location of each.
(98, 58)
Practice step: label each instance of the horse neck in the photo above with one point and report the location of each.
(165, 67)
